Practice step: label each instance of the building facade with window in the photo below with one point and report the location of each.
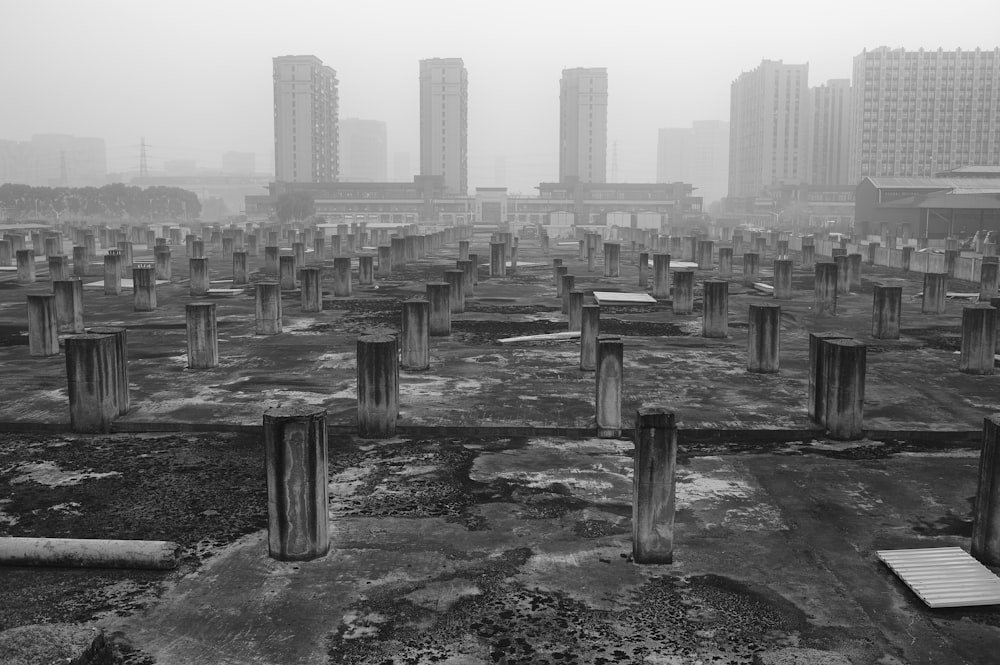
(305, 120)
(444, 122)
(583, 124)
(830, 116)
(917, 113)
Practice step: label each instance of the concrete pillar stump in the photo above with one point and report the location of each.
(25, 266)
(439, 298)
(654, 486)
(844, 375)
(782, 279)
(91, 375)
(271, 256)
(286, 273)
(979, 339)
(986, 510)
(498, 259)
(378, 386)
(202, 335)
(456, 290)
(43, 326)
(312, 289)
(715, 309)
(661, 275)
(763, 338)
(590, 325)
(988, 282)
(199, 278)
(610, 362)
(887, 308)
(575, 314)
(825, 289)
(816, 395)
(683, 292)
(751, 268)
(612, 259)
(935, 293)
(726, 261)
(366, 271)
(268, 308)
(241, 276)
(415, 335)
(69, 305)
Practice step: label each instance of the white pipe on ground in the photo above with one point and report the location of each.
(89, 553)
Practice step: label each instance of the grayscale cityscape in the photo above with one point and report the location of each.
(523, 333)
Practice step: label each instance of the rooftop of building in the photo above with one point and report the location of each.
(929, 183)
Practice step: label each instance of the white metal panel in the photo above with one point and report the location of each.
(944, 576)
(611, 297)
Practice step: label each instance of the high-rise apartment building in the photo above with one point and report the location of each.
(917, 113)
(364, 152)
(768, 128)
(698, 155)
(583, 124)
(830, 133)
(305, 120)
(444, 122)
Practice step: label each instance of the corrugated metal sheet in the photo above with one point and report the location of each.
(944, 576)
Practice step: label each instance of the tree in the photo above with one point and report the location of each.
(294, 205)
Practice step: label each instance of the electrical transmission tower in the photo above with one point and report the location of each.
(143, 167)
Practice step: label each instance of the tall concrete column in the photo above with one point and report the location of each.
(715, 309)
(556, 264)
(59, 267)
(825, 287)
(6, 252)
(228, 246)
(25, 266)
(683, 296)
(844, 376)
(644, 270)
(366, 270)
(286, 273)
(782, 279)
(654, 486)
(907, 258)
(200, 281)
(751, 268)
(590, 326)
(144, 289)
(69, 305)
(81, 262)
(43, 326)
(271, 255)
(299, 254)
(456, 290)
(319, 249)
(988, 280)
(763, 338)
(410, 248)
(121, 388)
(544, 239)
(887, 307)
(268, 308)
(398, 252)
(808, 257)
(935, 293)
(873, 248)
(463, 250)
(782, 248)
(439, 298)
(843, 275)
(202, 335)
(91, 375)
(378, 386)
(560, 271)
(295, 459)
(986, 510)
(415, 335)
(498, 258)
(979, 339)
(612, 259)
(705, 249)
(854, 271)
(474, 259)
(161, 258)
(950, 259)
(312, 289)
(568, 284)
(253, 245)
(726, 261)
(113, 273)
(384, 261)
(241, 276)
(342, 278)
(816, 394)
(661, 275)
(468, 285)
(610, 363)
(575, 313)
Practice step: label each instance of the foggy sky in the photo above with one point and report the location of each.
(194, 78)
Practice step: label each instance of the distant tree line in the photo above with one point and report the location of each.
(117, 201)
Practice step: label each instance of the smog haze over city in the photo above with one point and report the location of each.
(194, 78)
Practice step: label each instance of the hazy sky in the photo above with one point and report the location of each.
(194, 78)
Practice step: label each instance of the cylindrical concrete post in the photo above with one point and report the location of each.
(144, 289)
(590, 326)
(463, 250)
(337, 244)
(81, 262)
(644, 270)
(979, 339)
(825, 288)
(6, 252)
(113, 274)
(410, 248)
(950, 259)
(120, 335)
(456, 290)
(398, 252)
(854, 271)
(751, 268)
(935, 293)
(69, 305)
(253, 245)
(295, 459)
(782, 250)
(575, 313)
(342, 279)
(661, 275)
(715, 309)
(704, 249)
(319, 249)
(271, 255)
(468, 283)
(498, 260)
(726, 261)
(161, 258)
(228, 246)
(844, 376)
(561, 271)
(299, 254)
(199, 276)
(475, 268)
(816, 395)
(43, 326)
(782, 279)
(808, 257)
(556, 264)
(268, 308)
(439, 298)
(988, 280)
(907, 258)
(612, 259)
(25, 266)
(610, 362)
(91, 374)
(241, 276)
(378, 386)
(763, 338)
(568, 284)
(887, 307)
(312, 289)
(653, 486)
(287, 273)
(366, 270)
(986, 511)
(202, 335)
(843, 274)
(683, 300)
(415, 335)
(384, 261)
